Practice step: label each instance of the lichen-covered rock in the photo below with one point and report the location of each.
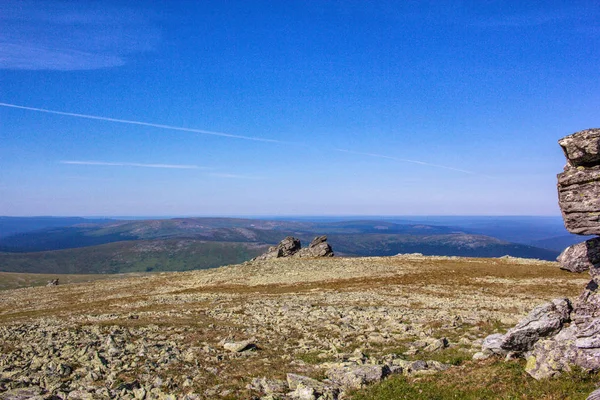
(352, 376)
(581, 257)
(542, 321)
(553, 355)
(582, 148)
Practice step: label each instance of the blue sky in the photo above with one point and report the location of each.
(292, 108)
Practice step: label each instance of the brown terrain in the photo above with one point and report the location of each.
(281, 328)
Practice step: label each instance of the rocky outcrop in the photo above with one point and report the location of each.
(290, 246)
(579, 184)
(317, 248)
(558, 335)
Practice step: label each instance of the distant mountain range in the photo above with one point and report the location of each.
(78, 245)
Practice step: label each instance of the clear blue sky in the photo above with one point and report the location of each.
(327, 107)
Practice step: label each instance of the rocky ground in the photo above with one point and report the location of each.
(282, 328)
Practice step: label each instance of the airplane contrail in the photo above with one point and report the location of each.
(408, 161)
(222, 134)
(130, 164)
(127, 121)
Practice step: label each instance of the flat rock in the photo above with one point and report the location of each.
(355, 376)
(238, 347)
(581, 257)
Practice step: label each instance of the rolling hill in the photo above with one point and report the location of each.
(197, 243)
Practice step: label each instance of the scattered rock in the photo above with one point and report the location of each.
(238, 347)
(32, 393)
(352, 376)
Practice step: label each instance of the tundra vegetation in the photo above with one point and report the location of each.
(364, 328)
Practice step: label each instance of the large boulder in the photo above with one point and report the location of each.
(581, 257)
(542, 321)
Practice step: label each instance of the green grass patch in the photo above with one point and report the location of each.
(475, 381)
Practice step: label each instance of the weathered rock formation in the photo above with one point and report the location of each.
(559, 335)
(579, 184)
(291, 247)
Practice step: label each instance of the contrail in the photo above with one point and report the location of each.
(129, 164)
(221, 134)
(408, 161)
(130, 122)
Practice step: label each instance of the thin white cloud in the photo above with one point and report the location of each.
(129, 164)
(67, 36)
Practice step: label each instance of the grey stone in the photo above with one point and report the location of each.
(542, 321)
(286, 248)
(595, 395)
(238, 347)
(317, 248)
(294, 381)
(291, 246)
(492, 344)
(581, 257)
(579, 199)
(32, 392)
(351, 376)
(582, 148)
